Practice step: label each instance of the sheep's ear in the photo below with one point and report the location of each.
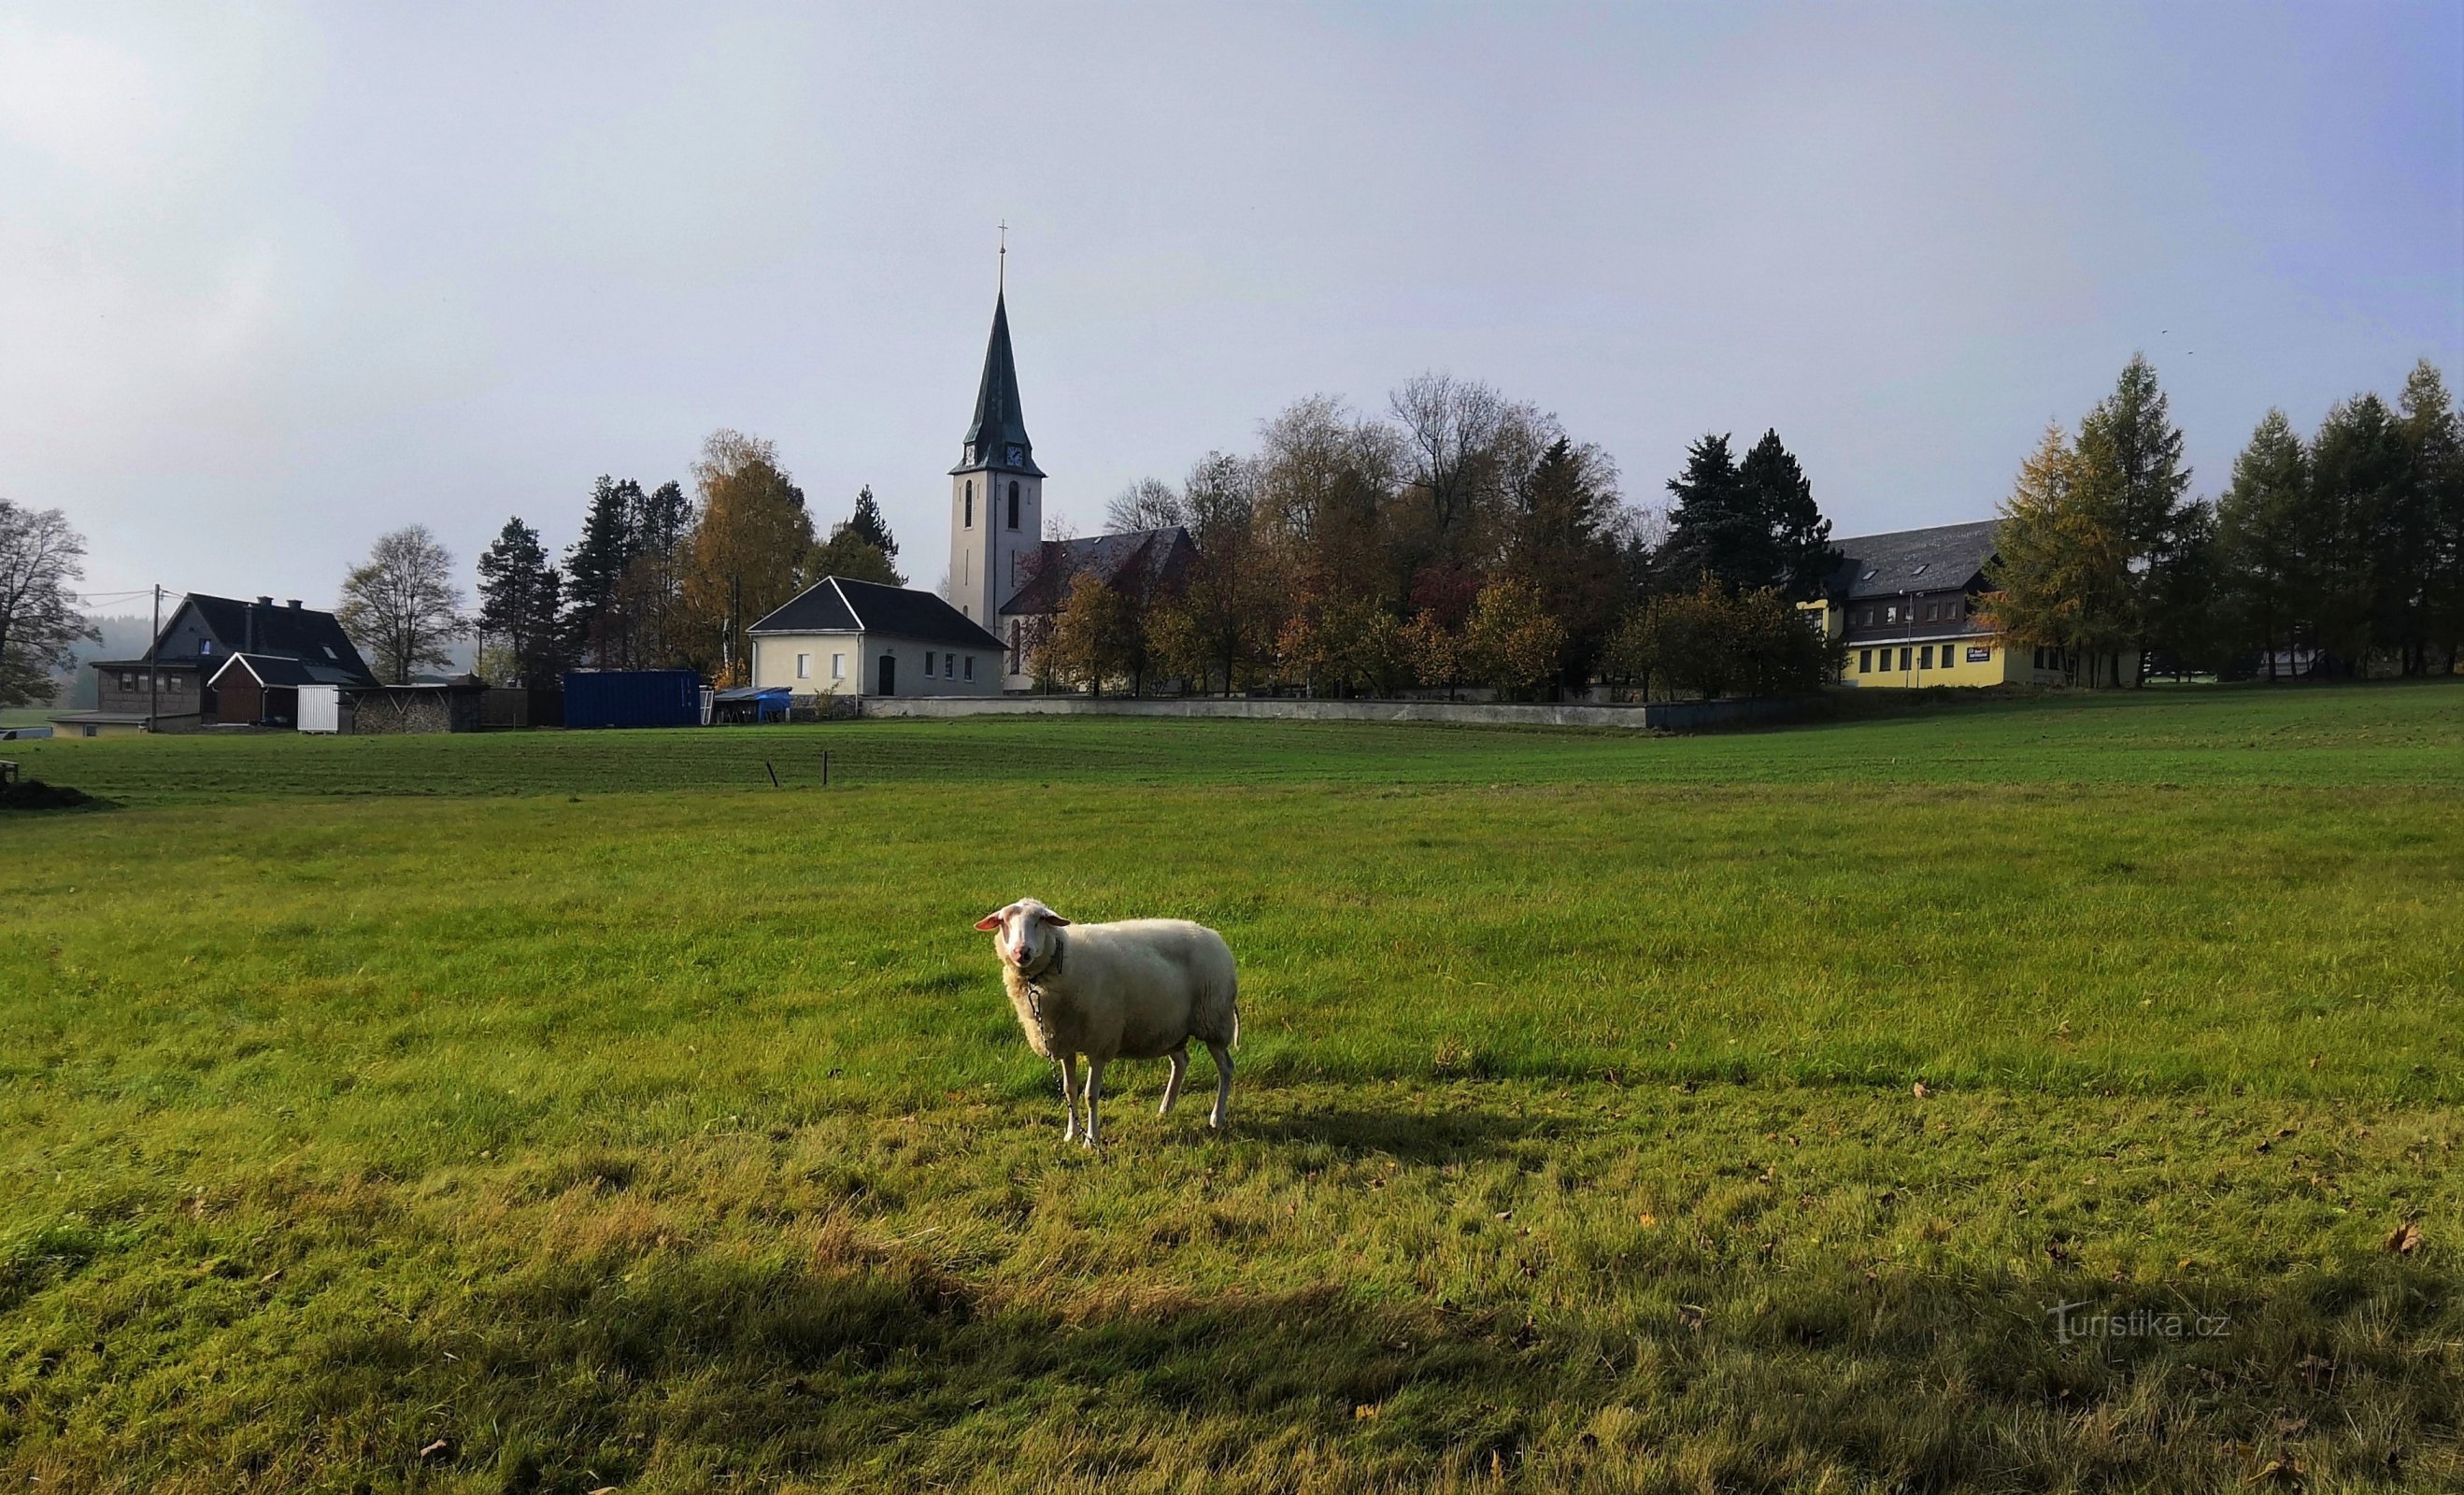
(1050, 917)
(990, 921)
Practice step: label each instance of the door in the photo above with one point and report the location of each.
(888, 674)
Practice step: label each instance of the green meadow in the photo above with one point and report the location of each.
(2011, 1096)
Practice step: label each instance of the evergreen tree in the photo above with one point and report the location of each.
(2130, 470)
(2433, 439)
(650, 599)
(868, 526)
(1802, 558)
(2357, 475)
(594, 572)
(2263, 542)
(1713, 527)
(1562, 543)
(519, 603)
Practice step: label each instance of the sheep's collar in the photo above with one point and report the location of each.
(1051, 967)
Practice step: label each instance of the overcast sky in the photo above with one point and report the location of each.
(275, 280)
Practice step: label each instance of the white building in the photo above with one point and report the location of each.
(844, 637)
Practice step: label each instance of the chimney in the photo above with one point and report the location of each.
(294, 604)
(265, 601)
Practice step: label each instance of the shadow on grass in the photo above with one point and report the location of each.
(858, 1362)
(1412, 1137)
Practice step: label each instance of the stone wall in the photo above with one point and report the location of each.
(1659, 716)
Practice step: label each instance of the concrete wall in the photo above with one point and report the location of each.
(1662, 716)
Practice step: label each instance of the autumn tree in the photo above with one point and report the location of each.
(401, 605)
(747, 551)
(1092, 637)
(2060, 577)
(1511, 640)
(2128, 470)
(40, 621)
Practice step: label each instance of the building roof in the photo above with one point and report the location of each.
(284, 669)
(1944, 558)
(1161, 558)
(844, 604)
(261, 627)
(996, 438)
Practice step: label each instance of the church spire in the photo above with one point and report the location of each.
(998, 437)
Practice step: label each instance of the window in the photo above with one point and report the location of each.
(927, 664)
(176, 682)
(948, 667)
(1891, 614)
(1903, 657)
(205, 648)
(804, 666)
(969, 520)
(1013, 503)
(1924, 657)
(1864, 661)
(970, 667)
(838, 666)
(128, 681)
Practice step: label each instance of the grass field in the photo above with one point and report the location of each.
(559, 1113)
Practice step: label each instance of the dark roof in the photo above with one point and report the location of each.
(843, 604)
(1161, 556)
(996, 438)
(1946, 557)
(274, 632)
(283, 669)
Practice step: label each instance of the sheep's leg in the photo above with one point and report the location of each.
(1179, 1058)
(1068, 1096)
(1094, 1093)
(1223, 1085)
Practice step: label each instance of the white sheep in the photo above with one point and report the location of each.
(1140, 989)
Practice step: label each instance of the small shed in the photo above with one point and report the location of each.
(632, 698)
(752, 703)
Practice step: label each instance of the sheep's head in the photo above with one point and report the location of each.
(1022, 933)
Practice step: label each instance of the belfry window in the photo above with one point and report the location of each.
(1012, 504)
(969, 523)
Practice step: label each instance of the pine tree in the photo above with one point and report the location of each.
(2130, 468)
(594, 571)
(1713, 529)
(1562, 544)
(2433, 439)
(1802, 558)
(518, 604)
(870, 526)
(2263, 542)
(2357, 473)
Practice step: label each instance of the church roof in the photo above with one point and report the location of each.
(997, 438)
(1944, 558)
(844, 604)
(1158, 559)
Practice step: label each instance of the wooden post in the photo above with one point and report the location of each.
(774, 774)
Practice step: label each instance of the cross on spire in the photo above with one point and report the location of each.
(1000, 275)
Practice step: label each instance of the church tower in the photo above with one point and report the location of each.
(995, 493)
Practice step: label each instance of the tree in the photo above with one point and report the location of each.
(860, 547)
(594, 572)
(1778, 492)
(747, 553)
(2060, 576)
(2433, 439)
(518, 604)
(401, 605)
(2129, 470)
(1223, 621)
(867, 525)
(650, 601)
(1562, 543)
(39, 557)
(2263, 541)
(1510, 640)
(1148, 504)
(1713, 528)
(1091, 637)
(2357, 478)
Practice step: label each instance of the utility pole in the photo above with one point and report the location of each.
(154, 663)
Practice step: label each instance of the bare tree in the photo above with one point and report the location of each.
(1148, 504)
(39, 556)
(401, 603)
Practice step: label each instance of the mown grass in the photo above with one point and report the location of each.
(678, 1140)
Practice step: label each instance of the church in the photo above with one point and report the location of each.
(846, 637)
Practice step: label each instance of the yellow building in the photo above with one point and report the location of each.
(1905, 605)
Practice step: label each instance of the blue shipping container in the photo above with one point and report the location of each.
(632, 698)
